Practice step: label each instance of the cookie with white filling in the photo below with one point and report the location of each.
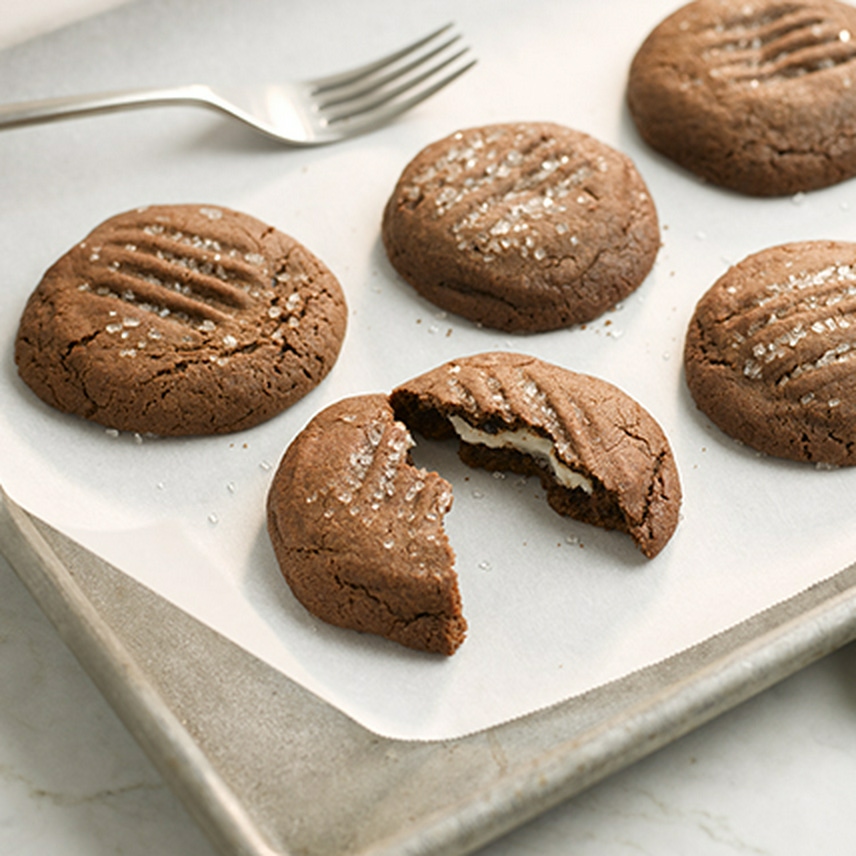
(601, 457)
(357, 528)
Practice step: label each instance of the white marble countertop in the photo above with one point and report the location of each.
(774, 776)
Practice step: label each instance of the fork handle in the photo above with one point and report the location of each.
(51, 109)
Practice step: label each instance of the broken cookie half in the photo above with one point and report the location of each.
(357, 528)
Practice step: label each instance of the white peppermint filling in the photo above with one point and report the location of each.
(526, 441)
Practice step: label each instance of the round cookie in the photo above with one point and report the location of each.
(757, 97)
(769, 353)
(357, 529)
(521, 227)
(181, 320)
(601, 457)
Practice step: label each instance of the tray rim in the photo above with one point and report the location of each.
(824, 621)
(692, 688)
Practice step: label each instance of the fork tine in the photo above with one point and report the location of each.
(374, 100)
(322, 84)
(383, 109)
(373, 82)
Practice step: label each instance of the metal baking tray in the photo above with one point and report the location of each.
(266, 766)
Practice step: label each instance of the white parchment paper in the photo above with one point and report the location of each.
(554, 607)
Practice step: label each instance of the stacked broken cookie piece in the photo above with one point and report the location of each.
(195, 319)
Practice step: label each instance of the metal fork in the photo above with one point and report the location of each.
(306, 113)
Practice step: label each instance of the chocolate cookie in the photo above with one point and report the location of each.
(522, 227)
(769, 354)
(757, 97)
(600, 455)
(357, 529)
(179, 320)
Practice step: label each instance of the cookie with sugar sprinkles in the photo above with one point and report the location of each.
(758, 97)
(181, 320)
(770, 352)
(357, 529)
(601, 457)
(522, 227)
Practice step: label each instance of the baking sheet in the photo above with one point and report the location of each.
(555, 608)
